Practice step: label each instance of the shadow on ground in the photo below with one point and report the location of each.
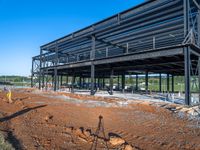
(21, 112)
(10, 137)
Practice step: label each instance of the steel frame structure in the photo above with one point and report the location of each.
(157, 36)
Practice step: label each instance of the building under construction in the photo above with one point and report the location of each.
(155, 37)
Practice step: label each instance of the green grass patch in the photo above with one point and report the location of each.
(4, 145)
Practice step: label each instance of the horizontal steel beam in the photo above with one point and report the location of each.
(137, 56)
(140, 56)
(138, 10)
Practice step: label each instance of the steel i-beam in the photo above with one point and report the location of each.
(136, 82)
(146, 82)
(92, 92)
(61, 80)
(123, 82)
(187, 53)
(172, 83)
(111, 81)
(32, 75)
(55, 79)
(160, 82)
(167, 83)
(118, 82)
(73, 83)
(40, 73)
(103, 82)
(46, 85)
(98, 83)
(187, 75)
(186, 17)
(199, 76)
(92, 57)
(198, 27)
(56, 70)
(67, 80)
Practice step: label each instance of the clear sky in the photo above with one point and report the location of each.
(25, 25)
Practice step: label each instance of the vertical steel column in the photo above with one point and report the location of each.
(88, 83)
(52, 80)
(103, 82)
(167, 83)
(186, 17)
(43, 78)
(95, 82)
(67, 79)
(32, 72)
(55, 69)
(187, 53)
(58, 87)
(187, 75)
(160, 82)
(123, 82)
(172, 83)
(46, 80)
(98, 82)
(80, 81)
(199, 76)
(83, 82)
(40, 73)
(55, 79)
(198, 24)
(136, 78)
(146, 82)
(61, 80)
(92, 57)
(73, 82)
(92, 79)
(111, 81)
(118, 82)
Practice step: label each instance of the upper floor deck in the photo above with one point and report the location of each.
(152, 25)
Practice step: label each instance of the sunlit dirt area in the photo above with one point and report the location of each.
(42, 120)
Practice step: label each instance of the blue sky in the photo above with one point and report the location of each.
(25, 25)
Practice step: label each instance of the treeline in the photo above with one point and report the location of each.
(13, 79)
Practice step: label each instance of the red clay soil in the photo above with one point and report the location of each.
(38, 122)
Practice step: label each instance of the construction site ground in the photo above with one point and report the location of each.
(65, 121)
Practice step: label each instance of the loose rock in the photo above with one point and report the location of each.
(48, 117)
(128, 147)
(115, 141)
